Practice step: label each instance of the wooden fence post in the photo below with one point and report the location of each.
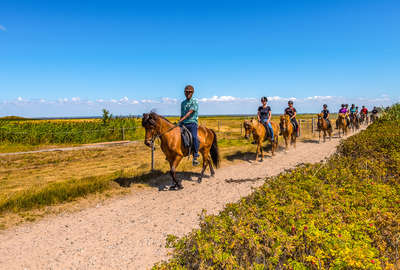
(312, 125)
(218, 125)
(152, 156)
(241, 129)
(299, 127)
(123, 133)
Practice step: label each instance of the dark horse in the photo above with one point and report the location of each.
(172, 145)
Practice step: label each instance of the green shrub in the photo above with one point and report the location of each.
(342, 214)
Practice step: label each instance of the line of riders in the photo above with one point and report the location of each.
(192, 139)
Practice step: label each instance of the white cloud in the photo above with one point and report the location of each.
(75, 106)
(124, 99)
(149, 101)
(226, 99)
(169, 100)
(2, 28)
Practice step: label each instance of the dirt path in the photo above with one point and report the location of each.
(130, 232)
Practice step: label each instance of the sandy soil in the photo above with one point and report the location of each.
(130, 232)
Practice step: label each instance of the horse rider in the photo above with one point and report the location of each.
(364, 111)
(325, 111)
(374, 111)
(353, 111)
(189, 119)
(342, 110)
(264, 116)
(291, 111)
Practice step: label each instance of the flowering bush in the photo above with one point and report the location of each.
(342, 214)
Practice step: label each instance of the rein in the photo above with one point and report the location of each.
(160, 135)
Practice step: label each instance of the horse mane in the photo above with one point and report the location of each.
(159, 116)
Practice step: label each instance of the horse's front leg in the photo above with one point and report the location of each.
(261, 150)
(258, 146)
(173, 165)
(286, 142)
(319, 136)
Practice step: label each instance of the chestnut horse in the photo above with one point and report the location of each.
(342, 123)
(157, 126)
(258, 130)
(288, 131)
(324, 127)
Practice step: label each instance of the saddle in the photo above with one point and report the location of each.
(187, 139)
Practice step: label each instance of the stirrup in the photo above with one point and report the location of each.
(195, 162)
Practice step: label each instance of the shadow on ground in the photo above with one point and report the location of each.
(250, 156)
(158, 179)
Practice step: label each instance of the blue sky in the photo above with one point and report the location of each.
(70, 58)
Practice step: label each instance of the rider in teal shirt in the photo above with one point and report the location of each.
(189, 118)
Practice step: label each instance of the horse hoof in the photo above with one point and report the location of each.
(176, 187)
(199, 180)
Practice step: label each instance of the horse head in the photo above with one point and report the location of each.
(320, 123)
(284, 122)
(248, 127)
(149, 122)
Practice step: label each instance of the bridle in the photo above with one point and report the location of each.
(159, 135)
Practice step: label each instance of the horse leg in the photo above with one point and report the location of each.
(205, 155)
(319, 136)
(286, 142)
(173, 165)
(261, 150)
(211, 166)
(258, 146)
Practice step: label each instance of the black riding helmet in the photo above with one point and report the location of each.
(325, 106)
(290, 102)
(264, 99)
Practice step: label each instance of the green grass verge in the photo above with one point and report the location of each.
(342, 214)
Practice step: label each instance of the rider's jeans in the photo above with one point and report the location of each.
(192, 127)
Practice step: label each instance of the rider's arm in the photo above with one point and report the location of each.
(294, 114)
(186, 115)
(327, 116)
(258, 116)
(269, 116)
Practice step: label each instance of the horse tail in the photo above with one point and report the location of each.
(215, 151)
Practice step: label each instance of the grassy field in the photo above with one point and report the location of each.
(31, 181)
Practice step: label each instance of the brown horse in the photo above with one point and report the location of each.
(171, 144)
(288, 131)
(258, 130)
(354, 122)
(373, 117)
(342, 123)
(324, 127)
